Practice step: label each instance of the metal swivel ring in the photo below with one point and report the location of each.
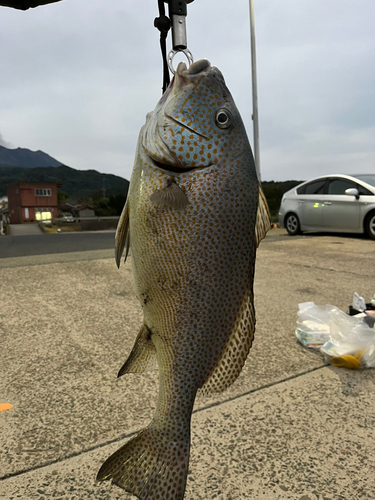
(172, 53)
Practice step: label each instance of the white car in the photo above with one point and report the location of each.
(331, 203)
(67, 217)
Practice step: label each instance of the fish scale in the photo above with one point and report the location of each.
(193, 219)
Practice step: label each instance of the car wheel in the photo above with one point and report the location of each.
(370, 225)
(292, 224)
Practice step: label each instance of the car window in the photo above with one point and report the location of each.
(369, 178)
(339, 186)
(315, 187)
(363, 191)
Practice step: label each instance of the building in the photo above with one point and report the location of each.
(79, 209)
(32, 201)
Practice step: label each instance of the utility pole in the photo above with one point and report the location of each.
(255, 90)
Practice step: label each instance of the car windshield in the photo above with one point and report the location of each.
(369, 178)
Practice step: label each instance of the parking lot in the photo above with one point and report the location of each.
(289, 428)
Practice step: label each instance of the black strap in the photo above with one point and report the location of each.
(163, 24)
(24, 4)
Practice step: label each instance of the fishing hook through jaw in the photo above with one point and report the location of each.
(171, 55)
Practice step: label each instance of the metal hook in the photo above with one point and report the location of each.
(172, 53)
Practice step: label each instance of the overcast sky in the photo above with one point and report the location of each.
(78, 77)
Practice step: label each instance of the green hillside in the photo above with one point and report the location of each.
(274, 192)
(78, 184)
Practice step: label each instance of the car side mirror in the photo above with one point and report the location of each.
(352, 192)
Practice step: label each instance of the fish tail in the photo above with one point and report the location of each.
(149, 466)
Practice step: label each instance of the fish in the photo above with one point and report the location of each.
(194, 217)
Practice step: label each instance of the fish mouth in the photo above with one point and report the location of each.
(174, 169)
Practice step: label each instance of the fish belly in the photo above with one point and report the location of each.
(193, 269)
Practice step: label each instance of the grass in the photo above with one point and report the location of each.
(53, 228)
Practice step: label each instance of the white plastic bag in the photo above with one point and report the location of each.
(351, 343)
(312, 325)
(346, 341)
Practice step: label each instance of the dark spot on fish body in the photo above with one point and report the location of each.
(161, 281)
(150, 223)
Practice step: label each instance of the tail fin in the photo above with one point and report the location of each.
(149, 467)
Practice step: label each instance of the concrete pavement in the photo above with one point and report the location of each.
(25, 229)
(289, 428)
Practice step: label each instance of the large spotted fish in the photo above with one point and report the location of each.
(194, 217)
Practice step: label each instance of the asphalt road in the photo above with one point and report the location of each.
(45, 244)
(69, 243)
(61, 247)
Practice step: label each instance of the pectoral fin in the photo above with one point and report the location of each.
(171, 196)
(143, 355)
(122, 238)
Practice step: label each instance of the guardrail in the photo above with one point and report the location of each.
(82, 223)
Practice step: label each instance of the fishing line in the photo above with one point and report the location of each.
(176, 21)
(163, 24)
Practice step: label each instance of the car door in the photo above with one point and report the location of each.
(341, 212)
(310, 204)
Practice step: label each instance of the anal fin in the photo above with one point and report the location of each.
(143, 355)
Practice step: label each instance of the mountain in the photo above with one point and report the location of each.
(79, 184)
(22, 157)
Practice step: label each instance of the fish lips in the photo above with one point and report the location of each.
(176, 169)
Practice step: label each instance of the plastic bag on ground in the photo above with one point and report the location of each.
(312, 325)
(351, 343)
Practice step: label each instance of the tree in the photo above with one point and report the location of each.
(117, 202)
(62, 196)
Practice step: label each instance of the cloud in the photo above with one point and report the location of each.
(3, 142)
(78, 79)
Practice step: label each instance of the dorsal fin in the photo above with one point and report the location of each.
(122, 238)
(236, 350)
(263, 224)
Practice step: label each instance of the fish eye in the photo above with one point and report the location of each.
(223, 118)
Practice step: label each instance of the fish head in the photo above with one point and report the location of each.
(196, 123)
